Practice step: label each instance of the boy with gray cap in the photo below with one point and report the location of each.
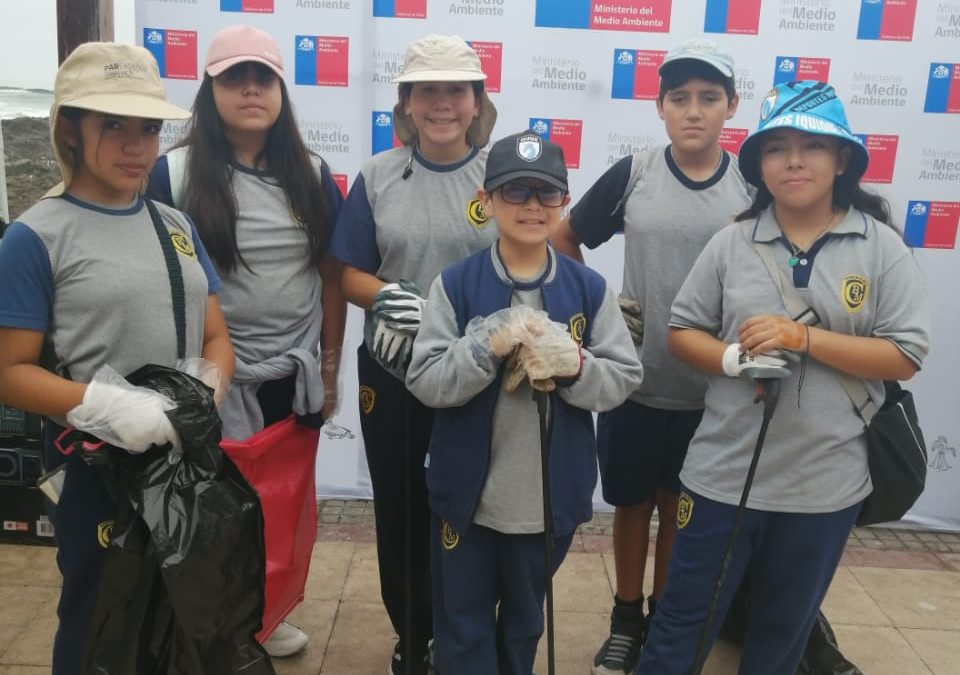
(507, 320)
(668, 202)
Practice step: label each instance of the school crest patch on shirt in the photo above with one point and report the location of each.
(578, 326)
(476, 215)
(183, 245)
(104, 530)
(854, 292)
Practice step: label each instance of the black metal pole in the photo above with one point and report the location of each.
(768, 391)
(542, 402)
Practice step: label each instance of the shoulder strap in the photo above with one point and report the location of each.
(802, 313)
(177, 168)
(636, 169)
(175, 273)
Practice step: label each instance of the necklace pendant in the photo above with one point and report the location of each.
(793, 261)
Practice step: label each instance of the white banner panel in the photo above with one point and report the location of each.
(583, 73)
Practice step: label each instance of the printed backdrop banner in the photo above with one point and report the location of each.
(583, 73)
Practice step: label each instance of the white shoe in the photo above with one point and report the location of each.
(285, 640)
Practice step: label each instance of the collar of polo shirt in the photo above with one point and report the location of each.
(767, 229)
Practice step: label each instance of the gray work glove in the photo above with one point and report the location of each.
(752, 367)
(633, 317)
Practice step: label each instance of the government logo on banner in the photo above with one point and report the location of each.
(887, 20)
(809, 16)
(174, 50)
(400, 9)
(731, 138)
(321, 60)
(948, 20)
(943, 88)
(790, 68)
(253, 6)
(732, 16)
(649, 16)
(931, 224)
(883, 157)
(565, 133)
(491, 62)
(383, 135)
(635, 74)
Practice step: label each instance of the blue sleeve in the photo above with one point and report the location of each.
(26, 280)
(330, 185)
(355, 236)
(592, 218)
(213, 279)
(158, 185)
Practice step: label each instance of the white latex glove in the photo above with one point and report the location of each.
(129, 417)
(553, 355)
(207, 372)
(399, 306)
(736, 363)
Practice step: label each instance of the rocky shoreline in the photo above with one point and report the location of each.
(30, 165)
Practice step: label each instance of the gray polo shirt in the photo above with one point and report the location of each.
(814, 458)
(396, 224)
(667, 220)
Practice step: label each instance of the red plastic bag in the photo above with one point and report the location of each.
(279, 463)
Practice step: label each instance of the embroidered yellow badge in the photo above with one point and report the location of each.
(104, 530)
(449, 537)
(476, 215)
(578, 325)
(684, 510)
(854, 292)
(182, 244)
(367, 398)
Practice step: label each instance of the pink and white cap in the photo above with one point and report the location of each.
(240, 44)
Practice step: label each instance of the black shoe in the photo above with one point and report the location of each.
(621, 652)
(396, 667)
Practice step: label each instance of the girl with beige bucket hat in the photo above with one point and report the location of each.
(411, 212)
(84, 278)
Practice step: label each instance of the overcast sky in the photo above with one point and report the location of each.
(28, 40)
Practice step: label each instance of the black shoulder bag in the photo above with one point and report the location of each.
(896, 451)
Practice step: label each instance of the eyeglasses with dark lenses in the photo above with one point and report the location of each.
(238, 74)
(517, 193)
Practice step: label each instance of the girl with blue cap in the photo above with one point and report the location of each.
(832, 241)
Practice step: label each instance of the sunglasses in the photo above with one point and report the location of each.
(517, 193)
(238, 74)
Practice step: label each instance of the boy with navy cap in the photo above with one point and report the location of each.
(668, 201)
(507, 320)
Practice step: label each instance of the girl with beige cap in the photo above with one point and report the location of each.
(265, 207)
(84, 279)
(411, 212)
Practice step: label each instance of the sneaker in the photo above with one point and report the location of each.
(285, 640)
(396, 663)
(621, 652)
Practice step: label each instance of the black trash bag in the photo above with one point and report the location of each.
(182, 584)
(821, 656)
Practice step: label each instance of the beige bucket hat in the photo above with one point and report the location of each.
(444, 58)
(112, 78)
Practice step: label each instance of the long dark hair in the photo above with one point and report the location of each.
(846, 193)
(208, 196)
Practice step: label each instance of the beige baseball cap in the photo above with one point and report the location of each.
(112, 78)
(444, 58)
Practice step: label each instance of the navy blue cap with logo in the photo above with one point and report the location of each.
(805, 105)
(525, 155)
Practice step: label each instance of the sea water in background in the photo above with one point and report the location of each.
(16, 102)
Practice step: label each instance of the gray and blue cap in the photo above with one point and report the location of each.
(809, 106)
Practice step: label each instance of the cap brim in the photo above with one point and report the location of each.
(128, 105)
(214, 69)
(503, 179)
(749, 158)
(441, 76)
(478, 133)
(717, 65)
